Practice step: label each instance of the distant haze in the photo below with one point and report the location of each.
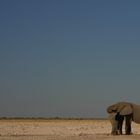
(73, 58)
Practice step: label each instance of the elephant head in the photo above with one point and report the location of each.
(123, 108)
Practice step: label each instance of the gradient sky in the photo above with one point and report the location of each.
(68, 58)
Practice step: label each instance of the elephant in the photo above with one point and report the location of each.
(130, 111)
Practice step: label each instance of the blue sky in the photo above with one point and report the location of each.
(68, 58)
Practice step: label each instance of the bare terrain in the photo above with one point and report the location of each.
(61, 130)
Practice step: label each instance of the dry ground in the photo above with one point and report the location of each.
(61, 130)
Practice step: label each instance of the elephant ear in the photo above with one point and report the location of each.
(126, 110)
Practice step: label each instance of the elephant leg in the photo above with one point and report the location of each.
(114, 124)
(119, 118)
(128, 120)
(120, 123)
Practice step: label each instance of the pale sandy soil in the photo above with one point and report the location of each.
(61, 130)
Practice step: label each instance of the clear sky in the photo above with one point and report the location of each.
(68, 58)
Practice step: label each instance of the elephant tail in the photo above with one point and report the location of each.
(132, 117)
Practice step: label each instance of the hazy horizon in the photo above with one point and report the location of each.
(68, 58)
